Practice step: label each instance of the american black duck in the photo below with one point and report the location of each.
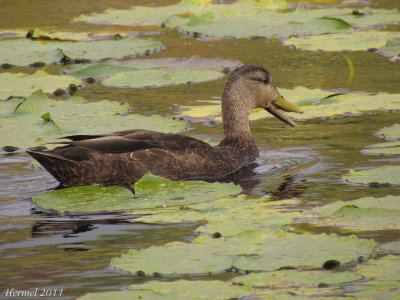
(122, 158)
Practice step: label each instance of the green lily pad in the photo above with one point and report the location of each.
(385, 268)
(150, 192)
(383, 175)
(228, 216)
(181, 289)
(156, 72)
(21, 124)
(20, 84)
(295, 279)
(85, 199)
(23, 52)
(389, 148)
(253, 250)
(157, 78)
(355, 41)
(315, 104)
(384, 279)
(247, 19)
(38, 34)
(391, 132)
(358, 215)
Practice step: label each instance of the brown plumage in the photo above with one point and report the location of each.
(122, 158)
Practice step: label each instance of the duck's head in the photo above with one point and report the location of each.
(251, 87)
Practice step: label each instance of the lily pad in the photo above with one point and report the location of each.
(37, 34)
(245, 19)
(150, 192)
(253, 250)
(22, 124)
(156, 72)
(382, 175)
(391, 132)
(181, 289)
(355, 41)
(385, 268)
(295, 279)
(389, 148)
(85, 199)
(363, 214)
(20, 84)
(314, 102)
(23, 52)
(157, 78)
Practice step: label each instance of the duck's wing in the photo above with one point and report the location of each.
(126, 142)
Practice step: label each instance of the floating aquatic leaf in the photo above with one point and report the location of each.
(391, 132)
(22, 126)
(156, 72)
(156, 78)
(358, 215)
(382, 175)
(37, 34)
(181, 289)
(315, 104)
(245, 19)
(385, 268)
(23, 52)
(86, 199)
(294, 279)
(150, 192)
(253, 250)
(20, 84)
(228, 216)
(389, 148)
(361, 40)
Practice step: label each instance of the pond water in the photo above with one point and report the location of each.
(73, 252)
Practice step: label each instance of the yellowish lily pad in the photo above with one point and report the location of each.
(315, 104)
(150, 192)
(365, 214)
(355, 41)
(253, 250)
(22, 52)
(247, 19)
(157, 78)
(22, 124)
(382, 175)
(181, 289)
(19, 84)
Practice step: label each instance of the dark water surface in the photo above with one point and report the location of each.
(44, 250)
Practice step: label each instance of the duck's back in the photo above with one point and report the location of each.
(122, 158)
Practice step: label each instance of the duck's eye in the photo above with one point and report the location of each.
(265, 80)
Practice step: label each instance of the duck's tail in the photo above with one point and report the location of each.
(58, 166)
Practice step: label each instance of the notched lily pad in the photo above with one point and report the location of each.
(247, 19)
(24, 52)
(20, 84)
(156, 72)
(85, 199)
(365, 214)
(314, 102)
(181, 289)
(285, 279)
(157, 78)
(21, 124)
(381, 175)
(150, 192)
(387, 43)
(253, 250)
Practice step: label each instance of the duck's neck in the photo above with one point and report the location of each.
(235, 117)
